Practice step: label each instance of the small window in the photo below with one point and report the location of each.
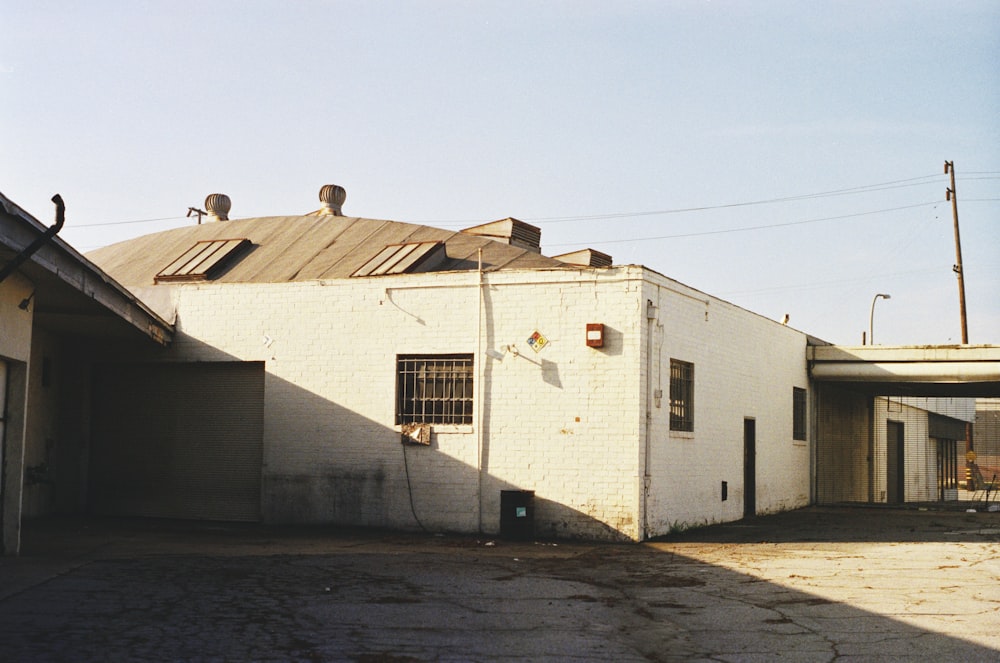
(434, 389)
(798, 413)
(681, 395)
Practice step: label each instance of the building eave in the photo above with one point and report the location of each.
(57, 262)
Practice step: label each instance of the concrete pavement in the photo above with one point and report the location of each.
(812, 585)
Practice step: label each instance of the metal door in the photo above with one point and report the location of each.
(749, 467)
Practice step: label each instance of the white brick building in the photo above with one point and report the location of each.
(301, 357)
(271, 370)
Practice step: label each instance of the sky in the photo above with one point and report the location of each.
(784, 156)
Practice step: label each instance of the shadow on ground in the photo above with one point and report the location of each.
(762, 589)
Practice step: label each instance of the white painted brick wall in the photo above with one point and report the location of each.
(563, 422)
(745, 366)
(567, 422)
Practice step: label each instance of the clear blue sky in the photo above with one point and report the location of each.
(454, 113)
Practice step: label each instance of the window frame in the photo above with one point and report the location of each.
(800, 414)
(681, 396)
(435, 389)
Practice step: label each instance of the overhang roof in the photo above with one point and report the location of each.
(910, 370)
(73, 295)
(308, 247)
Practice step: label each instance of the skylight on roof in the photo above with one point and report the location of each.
(403, 258)
(203, 261)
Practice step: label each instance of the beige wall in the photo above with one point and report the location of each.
(15, 350)
(15, 324)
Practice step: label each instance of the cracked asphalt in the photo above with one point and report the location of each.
(818, 584)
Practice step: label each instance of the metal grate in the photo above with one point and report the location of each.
(681, 395)
(434, 389)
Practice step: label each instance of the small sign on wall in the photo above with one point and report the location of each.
(537, 341)
(595, 335)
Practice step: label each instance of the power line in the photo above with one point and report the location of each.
(837, 282)
(748, 228)
(868, 188)
(682, 210)
(122, 223)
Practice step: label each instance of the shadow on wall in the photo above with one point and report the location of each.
(321, 463)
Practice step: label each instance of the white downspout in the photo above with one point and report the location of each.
(647, 452)
(481, 377)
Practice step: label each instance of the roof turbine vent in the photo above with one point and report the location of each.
(332, 196)
(218, 206)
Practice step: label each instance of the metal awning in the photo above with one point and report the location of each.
(72, 294)
(924, 370)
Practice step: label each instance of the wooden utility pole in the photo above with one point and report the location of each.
(949, 169)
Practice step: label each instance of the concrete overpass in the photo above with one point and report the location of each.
(909, 370)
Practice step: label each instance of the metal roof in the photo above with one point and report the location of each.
(308, 247)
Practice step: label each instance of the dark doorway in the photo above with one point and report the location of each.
(947, 466)
(894, 479)
(749, 468)
(178, 440)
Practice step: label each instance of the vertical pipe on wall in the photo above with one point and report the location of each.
(480, 378)
(647, 448)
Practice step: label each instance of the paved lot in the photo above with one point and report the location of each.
(812, 585)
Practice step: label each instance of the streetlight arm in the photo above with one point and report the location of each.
(871, 317)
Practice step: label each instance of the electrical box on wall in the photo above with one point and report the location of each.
(595, 335)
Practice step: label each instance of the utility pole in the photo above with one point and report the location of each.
(949, 168)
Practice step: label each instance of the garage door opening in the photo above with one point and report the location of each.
(892, 449)
(177, 440)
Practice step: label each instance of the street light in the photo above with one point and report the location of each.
(871, 317)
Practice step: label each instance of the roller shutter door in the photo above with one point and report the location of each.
(178, 440)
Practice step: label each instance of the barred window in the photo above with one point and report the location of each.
(681, 395)
(434, 389)
(798, 413)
